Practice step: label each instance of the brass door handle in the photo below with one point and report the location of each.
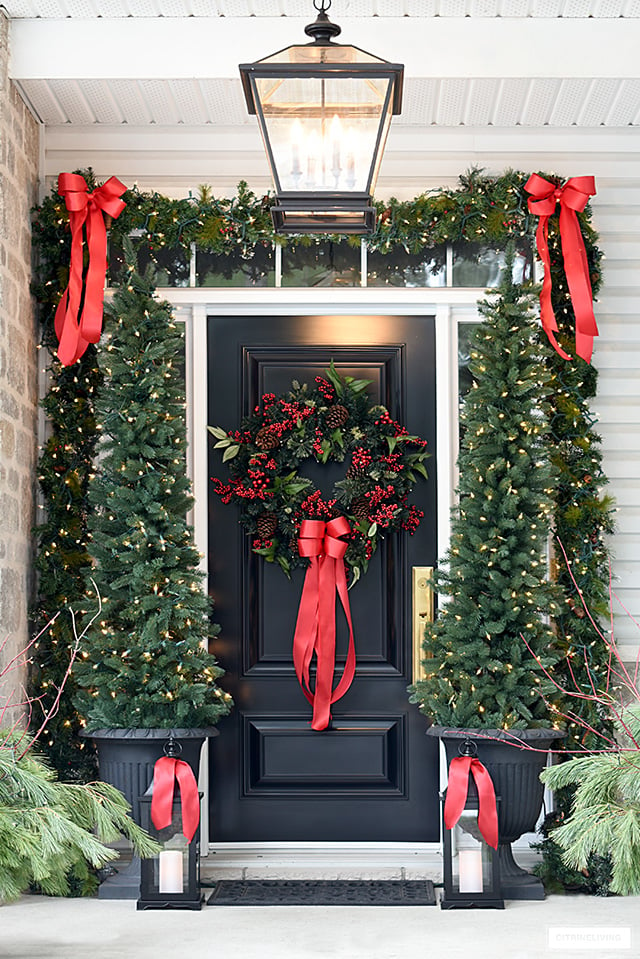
(422, 613)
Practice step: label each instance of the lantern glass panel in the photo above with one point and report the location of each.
(471, 857)
(324, 133)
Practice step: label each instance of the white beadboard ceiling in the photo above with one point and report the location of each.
(420, 9)
(502, 63)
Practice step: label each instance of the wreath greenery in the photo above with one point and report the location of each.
(332, 420)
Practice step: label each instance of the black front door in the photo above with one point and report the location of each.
(373, 775)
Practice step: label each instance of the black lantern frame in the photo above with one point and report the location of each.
(486, 861)
(171, 879)
(323, 84)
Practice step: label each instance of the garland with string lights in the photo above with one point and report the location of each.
(482, 209)
(64, 470)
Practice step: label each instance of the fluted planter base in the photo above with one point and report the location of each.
(126, 758)
(515, 772)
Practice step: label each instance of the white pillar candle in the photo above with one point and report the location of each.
(470, 864)
(170, 878)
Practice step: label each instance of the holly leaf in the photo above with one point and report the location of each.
(355, 573)
(222, 443)
(230, 452)
(372, 530)
(296, 487)
(420, 468)
(218, 432)
(356, 386)
(392, 442)
(334, 377)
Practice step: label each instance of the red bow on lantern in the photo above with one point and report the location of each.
(573, 196)
(316, 626)
(457, 789)
(165, 772)
(74, 335)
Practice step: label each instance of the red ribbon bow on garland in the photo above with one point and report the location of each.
(165, 772)
(316, 625)
(457, 789)
(573, 196)
(74, 335)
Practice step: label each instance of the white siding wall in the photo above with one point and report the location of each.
(612, 156)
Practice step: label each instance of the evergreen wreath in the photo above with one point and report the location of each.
(333, 420)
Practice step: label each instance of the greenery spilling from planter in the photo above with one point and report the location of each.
(237, 232)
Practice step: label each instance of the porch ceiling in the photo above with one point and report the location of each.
(474, 63)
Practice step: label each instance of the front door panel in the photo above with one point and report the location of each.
(373, 775)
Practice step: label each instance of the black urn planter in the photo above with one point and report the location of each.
(515, 772)
(126, 758)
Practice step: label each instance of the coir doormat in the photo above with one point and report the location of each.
(325, 892)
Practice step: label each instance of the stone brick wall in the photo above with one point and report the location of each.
(18, 361)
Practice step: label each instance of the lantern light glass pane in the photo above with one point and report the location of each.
(313, 53)
(323, 133)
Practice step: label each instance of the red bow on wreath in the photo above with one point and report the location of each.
(316, 626)
(74, 334)
(572, 197)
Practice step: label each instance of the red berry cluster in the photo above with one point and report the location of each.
(383, 506)
(317, 443)
(385, 420)
(324, 387)
(361, 458)
(412, 521)
(314, 507)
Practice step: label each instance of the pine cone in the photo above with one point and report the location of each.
(356, 472)
(337, 416)
(360, 507)
(266, 525)
(265, 439)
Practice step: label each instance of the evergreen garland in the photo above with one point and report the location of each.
(479, 672)
(583, 515)
(64, 469)
(145, 662)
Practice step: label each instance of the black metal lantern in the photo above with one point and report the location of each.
(471, 865)
(171, 879)
(324, 111)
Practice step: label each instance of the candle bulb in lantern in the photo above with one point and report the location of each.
(470, 866)
(170, 868)
(313, 151)
(351, 157)
(335, 133)
(296, 143)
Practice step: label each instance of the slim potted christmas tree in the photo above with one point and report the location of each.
(481, 682)
(145, 671)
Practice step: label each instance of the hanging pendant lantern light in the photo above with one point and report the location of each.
(324, 111)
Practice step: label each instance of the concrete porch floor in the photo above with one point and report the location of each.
(37, 927)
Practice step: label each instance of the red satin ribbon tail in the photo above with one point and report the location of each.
(456, 798)
(487, 809)
(165, 773)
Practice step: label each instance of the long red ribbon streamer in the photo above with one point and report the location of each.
(572, 197)
(74, 334)
(457, 789)
(316, 623)
(165, 773)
